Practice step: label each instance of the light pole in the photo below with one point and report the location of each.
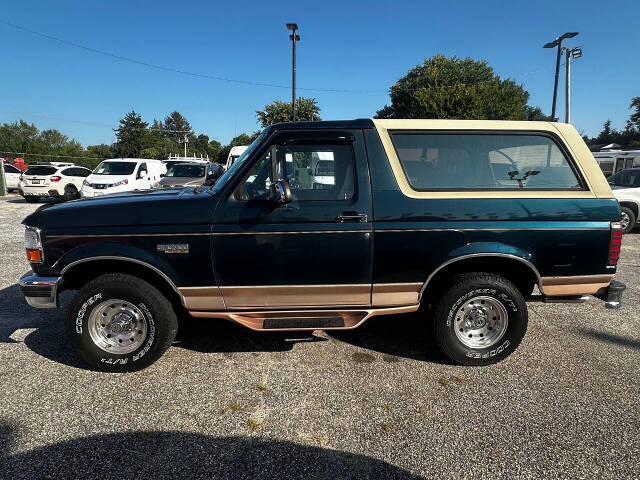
(557, 43)
(569, 54)
(294, 38)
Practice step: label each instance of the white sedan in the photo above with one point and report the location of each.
(12, 177)
(61, 181)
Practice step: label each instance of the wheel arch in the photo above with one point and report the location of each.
(79, 272)
(633, 206)
(518, 270)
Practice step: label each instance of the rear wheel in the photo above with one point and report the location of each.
(70, 193)
(480, 320)
(627, 219)
(118, 322)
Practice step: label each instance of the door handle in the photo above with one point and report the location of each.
(352, 217)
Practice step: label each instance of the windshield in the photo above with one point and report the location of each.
(185, 171)
(40, 171)
(115, 168)
(625, 178)
(239, 162)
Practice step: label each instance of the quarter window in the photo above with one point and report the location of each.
(483, 162)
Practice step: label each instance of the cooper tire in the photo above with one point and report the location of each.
(462, 336)
(123, 301)
(630, 220)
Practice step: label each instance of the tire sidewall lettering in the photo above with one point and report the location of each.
(82, 316)
(505, 299)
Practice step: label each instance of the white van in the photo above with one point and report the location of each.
(123, 175)
(234, 153)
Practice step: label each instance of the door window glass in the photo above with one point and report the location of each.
(317, 172)
(256, 185)
(483, 162)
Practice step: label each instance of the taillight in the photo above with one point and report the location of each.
(55, 178)
(615, 243)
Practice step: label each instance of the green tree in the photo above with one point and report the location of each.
(307, 110)
(131, 135)
(175, 126)
(456, 88)
(536, 114)
(608, 134)
(634, 118)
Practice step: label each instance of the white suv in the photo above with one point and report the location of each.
(53, 180)
(626, 188)
(12, 177)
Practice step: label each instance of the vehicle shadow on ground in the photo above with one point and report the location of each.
(394, 336)
(172, 454)
(610, 338)
(406, 336)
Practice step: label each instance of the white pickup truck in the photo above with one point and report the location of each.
(626, 188)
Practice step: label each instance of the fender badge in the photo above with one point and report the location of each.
(173, 247)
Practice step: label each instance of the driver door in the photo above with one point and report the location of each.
(314, 252)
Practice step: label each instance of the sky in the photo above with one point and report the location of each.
(359, 46)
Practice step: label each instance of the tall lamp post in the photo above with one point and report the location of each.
(557, 43)
(570, 53)
(294, 38)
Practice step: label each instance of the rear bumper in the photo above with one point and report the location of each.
(40, 292)
(612, 295)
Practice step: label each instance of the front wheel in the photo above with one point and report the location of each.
(480, 320)
(118, 323)
(627, 219)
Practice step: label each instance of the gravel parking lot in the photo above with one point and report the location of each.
(378, 402)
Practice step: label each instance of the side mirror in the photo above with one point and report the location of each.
(280, 193)
(162, 175)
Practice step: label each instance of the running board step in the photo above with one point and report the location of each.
(303, 322)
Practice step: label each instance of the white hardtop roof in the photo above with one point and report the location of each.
(238, 149)
(136, 160)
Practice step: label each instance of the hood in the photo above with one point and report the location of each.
(180, 181)
(105, 179)
(151, 207)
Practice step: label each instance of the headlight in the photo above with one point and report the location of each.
(33, 245)
(121, 182)
(85, 183)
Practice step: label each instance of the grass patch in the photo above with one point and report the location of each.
(446, 381)
(262, 387)
(255, 425)
(234, 407)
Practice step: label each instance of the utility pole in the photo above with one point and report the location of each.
(557, 43)
(570, 53)
(294, 38)
(185, 141)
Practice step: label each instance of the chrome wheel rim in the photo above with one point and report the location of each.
(624, 220)
(481, 322)
(117, 326)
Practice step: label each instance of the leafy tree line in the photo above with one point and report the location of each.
(136, 138)
(629, 136)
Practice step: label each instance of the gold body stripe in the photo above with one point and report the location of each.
(575, 285)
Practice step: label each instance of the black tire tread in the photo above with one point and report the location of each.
(157, 299)
(450, 295)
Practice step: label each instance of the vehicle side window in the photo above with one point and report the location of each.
(11, 169)
(69, 172)
(83, 172)
(483, 162)
(142, 168)
(256, 185)
(626, 178)
(324, 172)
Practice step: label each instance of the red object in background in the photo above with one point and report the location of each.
(19, 163)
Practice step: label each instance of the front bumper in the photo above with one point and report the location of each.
(40, 292)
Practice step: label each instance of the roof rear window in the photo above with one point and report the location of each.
(41, 170)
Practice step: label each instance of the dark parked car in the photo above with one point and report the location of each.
(190, 174)
(459, 220)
